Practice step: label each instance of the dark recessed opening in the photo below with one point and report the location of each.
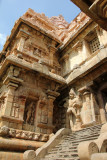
(88, 2)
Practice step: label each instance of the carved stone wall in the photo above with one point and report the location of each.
(44, 59)
(59, 119)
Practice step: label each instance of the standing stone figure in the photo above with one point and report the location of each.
(29, 113)
(74, 106)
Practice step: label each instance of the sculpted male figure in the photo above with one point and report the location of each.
(74, 105)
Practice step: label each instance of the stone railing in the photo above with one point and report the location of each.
(94, 150)
(41, 152)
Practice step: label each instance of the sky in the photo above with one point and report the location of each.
(11, 10)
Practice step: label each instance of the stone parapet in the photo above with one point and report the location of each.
(88, 66)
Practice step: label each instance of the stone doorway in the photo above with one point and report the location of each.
(102, 99)
(104, 96)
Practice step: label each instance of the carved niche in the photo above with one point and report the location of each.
(2, 101)
(36, 46)
(29, 112)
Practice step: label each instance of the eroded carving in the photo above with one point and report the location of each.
(4, 131)
(15, 110)
(29, 112)
(74, 106)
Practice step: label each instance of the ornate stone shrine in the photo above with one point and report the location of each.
(53, 75)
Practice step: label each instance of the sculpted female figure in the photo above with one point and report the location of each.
(74, 105)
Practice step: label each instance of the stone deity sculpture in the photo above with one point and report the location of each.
(74, 106)
(29, 112)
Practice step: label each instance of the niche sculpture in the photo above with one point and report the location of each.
(29, 113)
(74, 107)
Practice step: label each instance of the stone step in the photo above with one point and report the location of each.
(71, 148)
(62, 153)
(60, 158)
(82, 138)
(82, 134)
(69, 151)
(75, 135)
(88, 139)
(67, 148)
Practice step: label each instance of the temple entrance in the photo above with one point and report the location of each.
(102, 100)
(104, 95)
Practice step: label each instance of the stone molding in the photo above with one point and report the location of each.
(21, 134)
(36, 67)
(87, 66)
(41, 152)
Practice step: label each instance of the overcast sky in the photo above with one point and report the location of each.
(11, 10)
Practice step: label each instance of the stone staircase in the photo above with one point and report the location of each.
(67, 148)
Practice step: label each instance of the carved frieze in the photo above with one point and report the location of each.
(21, 134)
(33, 45)
(15, 110)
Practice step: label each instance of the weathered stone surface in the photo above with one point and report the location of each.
(53, 75)
(99, 156)
(97, 10)
(86, 149)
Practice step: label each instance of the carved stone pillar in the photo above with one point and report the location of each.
(6, 117)
(51, 97)
(88, 111)
(102, 35)
(22, 106)
(11, 109)
(50, 109)
(9, 100)
(101, 107)
(52, 51)
(22, 37)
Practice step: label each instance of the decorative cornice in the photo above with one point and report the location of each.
(22, 134)
(11, 59)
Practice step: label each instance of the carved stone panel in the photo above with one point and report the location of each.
(29, 113)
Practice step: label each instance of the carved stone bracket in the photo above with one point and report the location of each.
(52, 93)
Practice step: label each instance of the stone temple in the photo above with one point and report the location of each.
(53, 89)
